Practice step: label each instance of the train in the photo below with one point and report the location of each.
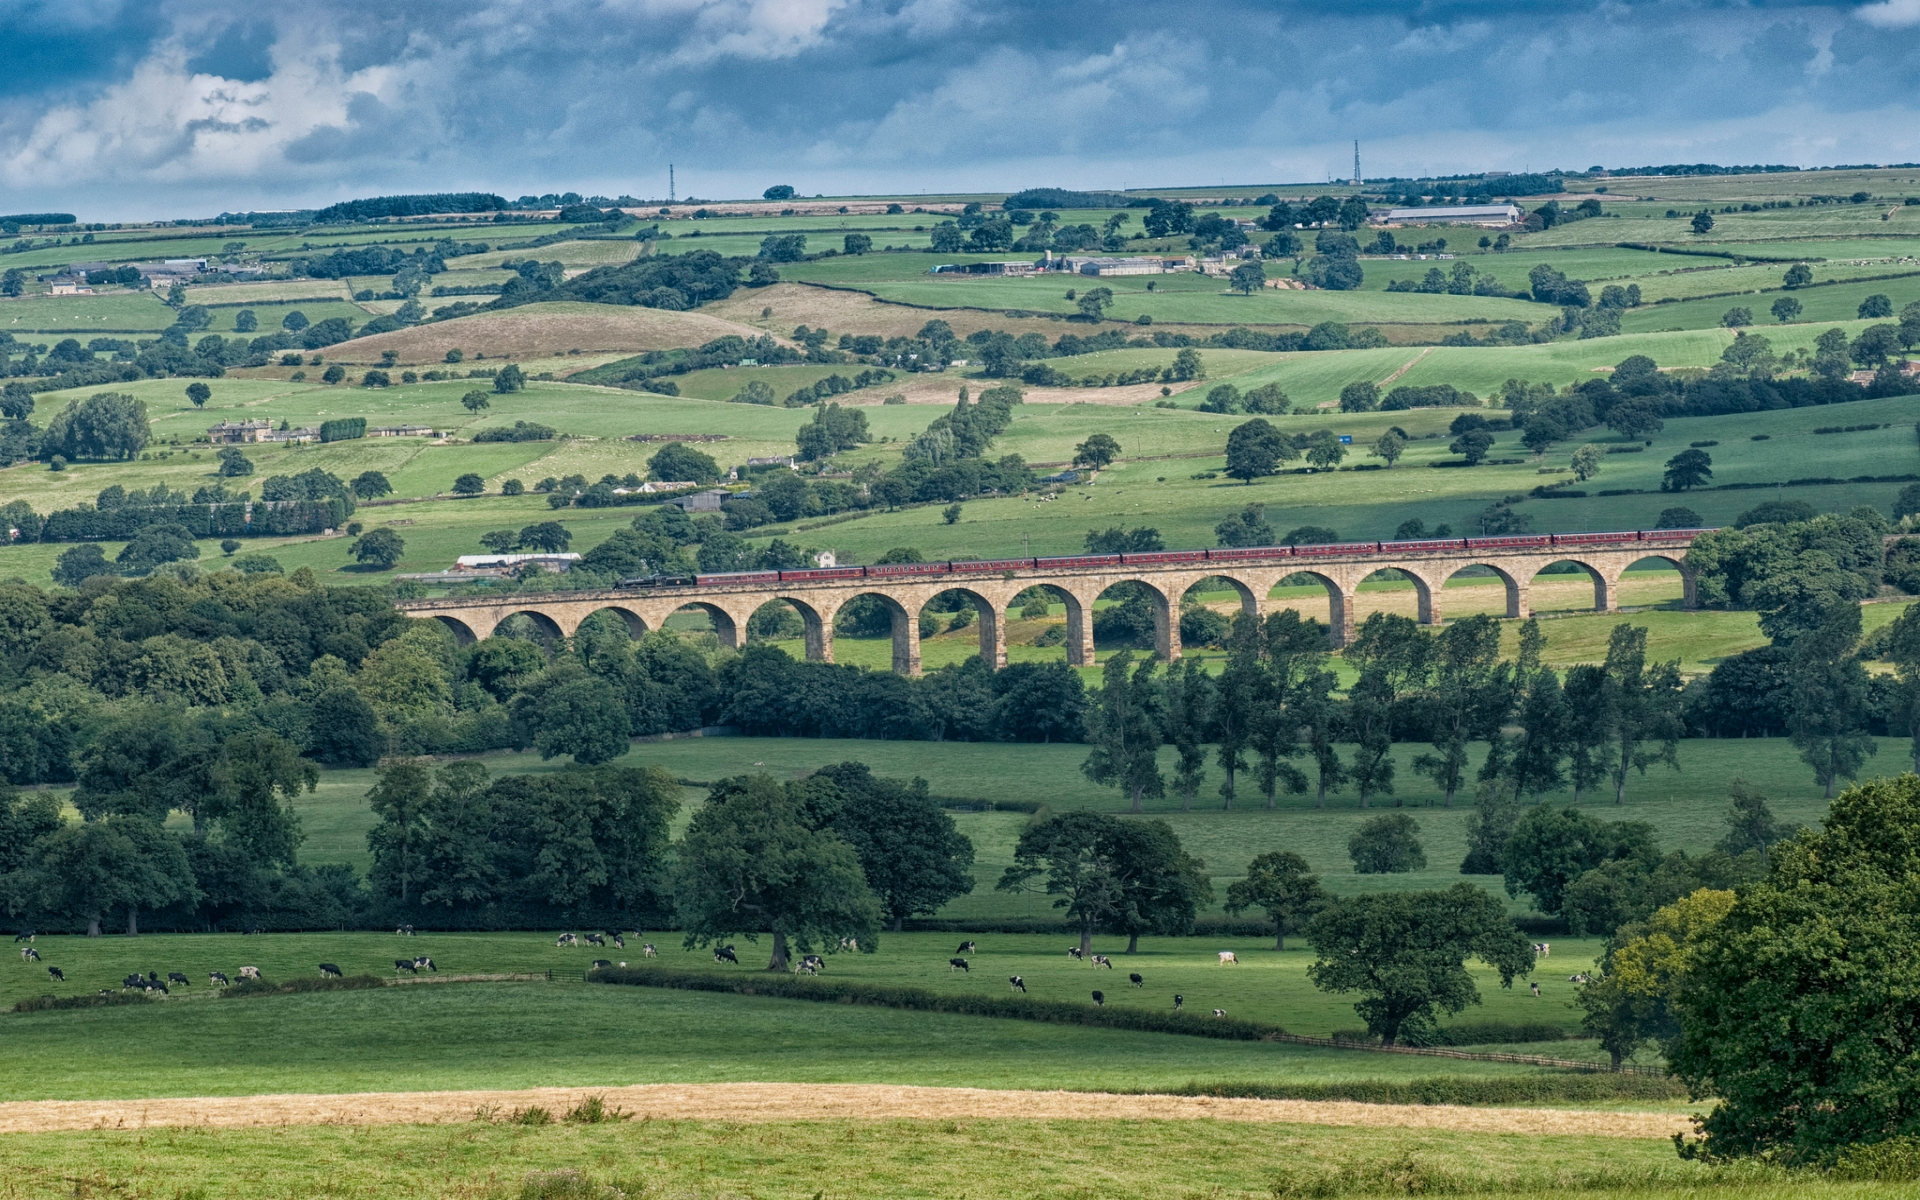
(1159, 558)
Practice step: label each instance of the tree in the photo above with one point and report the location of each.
(1123, 729)
(1785, 309)
(333, 374)
(1737, 317)
(1472, 445)
(751, 863)
(856, 243)
(1190, 694)
(582, 715)
(1798, 275)
(1641, 706)
(1796, 1008)
(1633, 1001)
(509, 379)
(107, 425)
(1325, 449)
(1241, 683)
(370, 485)
(914, 857)
(1247, 278)
(1874, 307)
(383, 548)
(1702, 221)
(1094, 302)
(1072, 850)
(1586, 462)
(1162, 887)
(77, 565)
(154, 546)
(125, 861)
(475, 400)
(1687, 469)
(1406, 953)
(545, 537)
(1255, 448)
(1187, 365)
(255, 781)
(1390, 446)
(1636, 418)
(1903, 651)
(1549, 849)
(677, 462)
(1096, 452)
(1249, 527)
(1362, 395)
(401, 798)
(13, 282)
(1827, 714)
(500, 541)
(1281, 883)
(199, 393)
(1388, 844)
(779, 191)
(1751, 824)
(233, 463)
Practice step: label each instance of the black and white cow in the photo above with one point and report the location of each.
(959, 964)
(329, 971)
(1018, 984)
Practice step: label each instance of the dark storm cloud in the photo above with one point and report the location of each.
(202, 106)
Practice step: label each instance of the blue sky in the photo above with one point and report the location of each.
(185, 107)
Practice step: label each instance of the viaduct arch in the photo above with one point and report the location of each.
(731, 603)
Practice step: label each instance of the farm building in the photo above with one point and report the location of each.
(1467, 214)
(239, 431)
(402, 431)
(499, 562)
(1127, 266)
(707, 501)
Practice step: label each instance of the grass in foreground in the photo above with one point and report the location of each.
(876, 1158)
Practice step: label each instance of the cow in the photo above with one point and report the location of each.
(1100, 998)
(153, 977)
(405, 964)
(813, 963)
(217, 979)
(421, 962)
(1536, 990)
(132, 981)
(1580, 978)
(154, 985)
(1227, 956)
(177, 977)
(329, 971)
(959, 964)
(567, 939)
(849, 943)
(1101, 960)
(807, 967)
(249, 972)
(404, 931)
(725, 954)
(1542, 949)
(618, 940)
(29, 955)
(967, 948)
(1135, 980)
(57, 973)
(1219, 1012)
(594, 939)
(650, 951)
(600, 964)
(1179, 1002)
(1018, 984)
(25, 935)
(1074, 952)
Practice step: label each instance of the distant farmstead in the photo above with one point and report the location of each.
(239, 431)
(403, 431)
(1489, 215)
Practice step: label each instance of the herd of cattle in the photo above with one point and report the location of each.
(151, 982)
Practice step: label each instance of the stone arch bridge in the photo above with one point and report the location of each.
(818, 595)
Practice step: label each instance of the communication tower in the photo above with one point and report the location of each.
(1355, 181)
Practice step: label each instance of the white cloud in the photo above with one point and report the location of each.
(1890, 14)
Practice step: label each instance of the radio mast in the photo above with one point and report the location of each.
(1355, 181)
(1356, 154)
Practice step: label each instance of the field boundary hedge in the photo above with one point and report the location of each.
(1023, 1008)
(89, 1000)
(1451, 1089)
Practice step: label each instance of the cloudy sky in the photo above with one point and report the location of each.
(156, 108)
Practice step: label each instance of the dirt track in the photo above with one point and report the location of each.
(768, 1102)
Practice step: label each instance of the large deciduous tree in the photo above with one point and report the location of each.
(1280, 883)
(1124, 727)
(914, 857)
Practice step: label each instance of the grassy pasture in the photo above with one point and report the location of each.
(1838, 302)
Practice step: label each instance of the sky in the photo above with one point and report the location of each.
(175, 108)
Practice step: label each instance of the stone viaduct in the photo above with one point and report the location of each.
(731, 603)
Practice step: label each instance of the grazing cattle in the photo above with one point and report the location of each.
(600, 964)
(177, 977)
(594, 939)
(959, 964)
(154, 985)
(1100, 998)
(1018, 984)
(650, 951)
(1226, 956)
(422, 963)
(30, 955)
(1135, 980)
(57, 973)
(1219, 1012)
(808, 968)
(1536, 990)
(1101, 960)
(849, 943)
(1580, 978)
(132, 981)
(217, 979)
(249, 972)
(1542, 949)
(967, 948)
(725, 954)
(618, 940)
(405, 931)
(25, 935)
(567, 939)
(1179, 1002)
(329, 971)
(1074, 952)
(812, 963)
(405, 964)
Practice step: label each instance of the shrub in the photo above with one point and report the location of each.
(290, 987)
(1387, 845)
(95, 1000)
